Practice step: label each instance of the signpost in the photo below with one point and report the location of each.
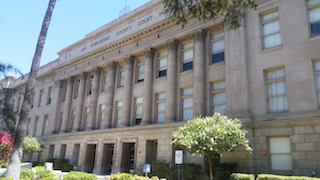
(146, 169)
(179, 160)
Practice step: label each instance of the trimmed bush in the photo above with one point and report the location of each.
(79, 176)
(127, 176)
(61, 164)
(190, 171)
(278, 177)
(42, 173)
(1, 178)
(240, 176)
(26, 174)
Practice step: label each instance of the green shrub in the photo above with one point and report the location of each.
(190, 171)
(61, 164)
(127, 176)
(37, 163)
(226, 169)
(79, 176)
(26, 174)
(157, 168)
(42, 173)
(5, 178)
(278, 177)
(240, 176)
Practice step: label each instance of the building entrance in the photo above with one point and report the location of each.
(90, 157)
(128, 157)
(107, 159)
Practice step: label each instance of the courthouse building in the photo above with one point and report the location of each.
(111, 101)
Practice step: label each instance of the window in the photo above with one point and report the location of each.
(49, 98)
(32, 101)
(104, 83)
(280, 152)
(28, 126)
(276, 88)
(161, 108)
(187, 104)
(40, 98)
(89, 88)
(271, 36)
(121, 76)
(76, 88)
(45, 125)
(138, 110)
(187, 56)
(314, 16)
(162, 63)
(140, 71)
(218, 91)
(64, 91)
(118, 113)
(73, 117)
(86, 117)
(217, 47)
(36, 121)
(102, 109)
(317, 78)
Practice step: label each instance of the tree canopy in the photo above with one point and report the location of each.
(211, 136)
(31, 145)
(205, 10)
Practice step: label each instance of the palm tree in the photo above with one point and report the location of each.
(20, 132)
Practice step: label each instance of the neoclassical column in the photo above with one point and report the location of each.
(199, 73)
(171, 102)
(94, 98)
(67, 104)
(147, 86)
(125, 120)
(77, 121)
(110, 94)
(56, 101)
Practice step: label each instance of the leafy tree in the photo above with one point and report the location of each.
(21, 128)
(31, 145)
(211, 136)
(204, 10)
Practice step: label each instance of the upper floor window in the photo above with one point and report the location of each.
(187, 104)
(276, 90)
(40, 98)
(64, 91)
(187, 56)
(76, 88)
(121, 76)
(89, 88)
(104, 81)
(317, 78)
(35, 129)
(140, 71)
(138, 110)
(49, 98)
(162, 63)
(314, 16)
(271, 35)
(86, 117)
(218, 91)
(102, 109)
(161, 108)
(217, 47)
(118, 113)
(45, 124)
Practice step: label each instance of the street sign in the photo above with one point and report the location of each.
(146, 168)
(178, 156)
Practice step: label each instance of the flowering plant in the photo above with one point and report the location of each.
(6, 144)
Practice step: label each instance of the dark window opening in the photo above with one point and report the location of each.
(187, 66)
(162, 73)
(217, 57)
(315, 29)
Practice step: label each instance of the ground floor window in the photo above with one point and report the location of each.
(280, 153)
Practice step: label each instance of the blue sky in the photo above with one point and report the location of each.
(21, 20)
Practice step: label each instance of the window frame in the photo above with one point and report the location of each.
(104, 81)
(215, 92)
(158, 101)
(317, 75)
(184, 97)
(101, 115)
(213, 40)
(45, 124)
(275, 80)
(138, 117)
(40, 100)
(121, 80)
(187, 64)
(309, 8)
(140, 63)
(162, 70)
(49, 96)
(118, 113)
(268, 21)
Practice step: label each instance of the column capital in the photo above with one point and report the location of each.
(82, 75)
(112, 64)
(129, 59)
(199, 35)
(149, 52)
(172, 44)
(96, 70)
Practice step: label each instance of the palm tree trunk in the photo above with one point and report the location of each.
(20, 133)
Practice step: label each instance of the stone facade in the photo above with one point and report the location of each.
(111, 101)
